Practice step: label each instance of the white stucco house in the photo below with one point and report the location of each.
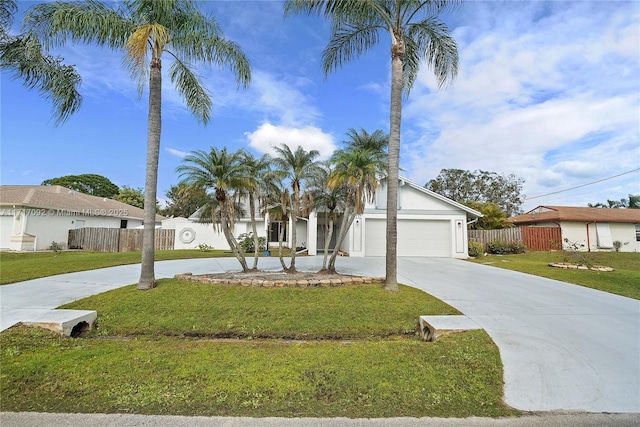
(429, 225)
(34, 216)
(593, 229)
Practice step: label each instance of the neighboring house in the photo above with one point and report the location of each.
(429, 225)
(34, 216)
(593, 229)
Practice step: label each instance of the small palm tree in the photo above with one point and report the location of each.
(417, 35)
(328, 199)
(295, 167)
(278, 208)
(225, 174)
(144, 30)
(256, 170)
(359, 170)
(23, 55)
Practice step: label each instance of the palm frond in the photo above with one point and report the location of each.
(88, 21)
(8, 8)
(431, 42)
(199, 38)
(348, 41)
(56, 81)
(192, 90)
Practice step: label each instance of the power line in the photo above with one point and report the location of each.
(583, 185)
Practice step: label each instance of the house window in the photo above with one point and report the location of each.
(274, 231)
(123, 223)
(637, 232)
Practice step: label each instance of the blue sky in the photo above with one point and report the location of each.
(548, 91)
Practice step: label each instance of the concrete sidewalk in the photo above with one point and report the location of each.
(563, 347)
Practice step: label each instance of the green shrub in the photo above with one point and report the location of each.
(203, 247)
(245, 240)
(55, 247)
(500, 247)
(476, 249)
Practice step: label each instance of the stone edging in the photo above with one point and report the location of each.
(300, 283)
(580, 266)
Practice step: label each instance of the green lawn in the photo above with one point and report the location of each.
(318, 352)
(624, 280)
(19, 266)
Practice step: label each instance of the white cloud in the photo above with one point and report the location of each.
(177, 153)
(282, 100)
(540, 94)
(267, 136)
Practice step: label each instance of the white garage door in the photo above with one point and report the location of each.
(415, 238)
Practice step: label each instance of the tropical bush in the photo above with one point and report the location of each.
(476, 249)
(500, 247)
(245, 240)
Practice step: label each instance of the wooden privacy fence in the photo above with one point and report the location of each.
(116, 239)
(534, 238)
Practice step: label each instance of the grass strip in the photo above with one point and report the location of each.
(177, 308)
(458, 376)
(624, 280)
(20, 266)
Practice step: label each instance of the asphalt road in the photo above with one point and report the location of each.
(31, 419)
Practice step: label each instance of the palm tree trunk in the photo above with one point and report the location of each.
(256, 239)
(280, 240)
(397, 55)
(147, 273)
(233, 244)
(327, 241)
(294, 234)
(347, 220)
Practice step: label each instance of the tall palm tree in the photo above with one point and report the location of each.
(295, 167)
(144, 30)
(24, 57)
(256, 171)
(417, 34)
(225, 173)
(359, 170)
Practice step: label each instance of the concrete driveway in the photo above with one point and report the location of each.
(564, 347)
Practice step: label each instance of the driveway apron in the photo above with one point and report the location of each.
(563, 347)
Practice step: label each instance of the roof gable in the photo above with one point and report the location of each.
(580, 214)
(439, 199)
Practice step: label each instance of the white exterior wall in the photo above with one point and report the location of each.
(625, 233)
(6, 230)
(576, 232)
(40, 227)
(301, 232)
(189, 235)
(312, 234)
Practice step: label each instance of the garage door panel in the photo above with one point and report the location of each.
(415, 238)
